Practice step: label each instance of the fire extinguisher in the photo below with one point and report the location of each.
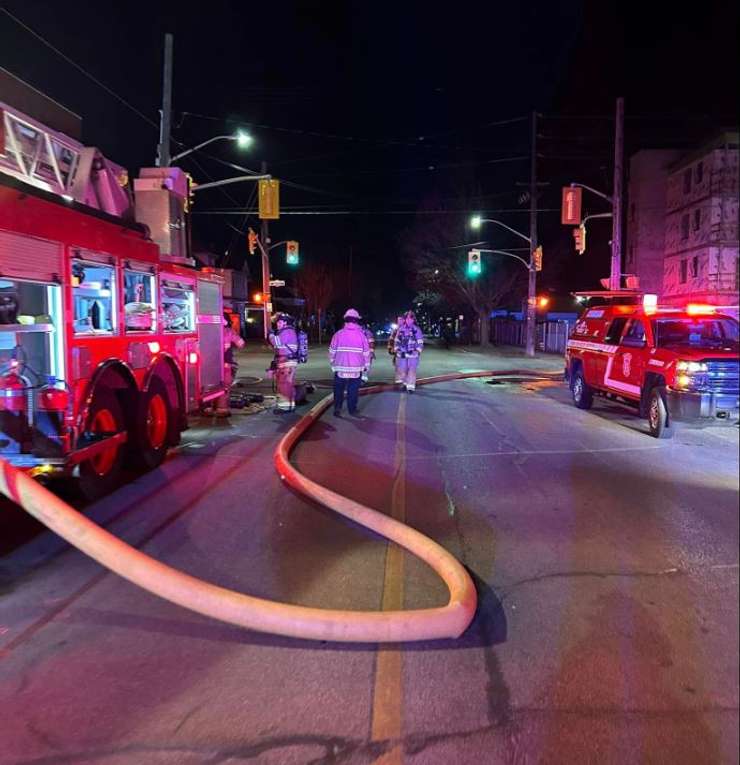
(13, 391)
(52, 405)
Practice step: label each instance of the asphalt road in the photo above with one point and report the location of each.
(606, 563)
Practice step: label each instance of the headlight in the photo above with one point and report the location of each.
(692, 367)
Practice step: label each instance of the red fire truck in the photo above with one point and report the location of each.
(109, 337)
(673, 364)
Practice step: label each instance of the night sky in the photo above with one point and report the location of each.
(380, 108)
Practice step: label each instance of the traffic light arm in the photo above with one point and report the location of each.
(227, 181)
(598, 215)
(527, 265)
(508, 228)
(594, 191)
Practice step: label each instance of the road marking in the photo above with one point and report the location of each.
(509, 453)
(388, 690)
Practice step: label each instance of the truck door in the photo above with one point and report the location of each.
(210, 337)
(628, 364)
(604, 360)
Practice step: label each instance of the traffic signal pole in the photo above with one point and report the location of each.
(265, 252)
(532, 281)
(615, 276)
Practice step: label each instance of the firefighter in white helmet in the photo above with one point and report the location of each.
(285, 342)
(349, 355)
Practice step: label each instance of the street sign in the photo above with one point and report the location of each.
(269, 199)
(277, 283)
(291, 253)
(579, 235)
(570, 213)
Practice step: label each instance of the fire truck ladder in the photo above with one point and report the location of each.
(52, 161)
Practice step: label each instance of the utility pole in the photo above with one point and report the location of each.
(532, 283)
(265, 250)
(615, 277)
(165, 115)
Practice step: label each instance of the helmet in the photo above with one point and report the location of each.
(286, 317)
(350, 313)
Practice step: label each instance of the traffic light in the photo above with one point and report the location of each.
(252, 242)
(538, 258)
(543, 302)
(579, 234)
(475, 267)
(258, 298)
(291, 253)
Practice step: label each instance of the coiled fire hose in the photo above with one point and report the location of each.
(448, 621)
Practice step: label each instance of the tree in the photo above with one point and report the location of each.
(314, 282)
(437, 263)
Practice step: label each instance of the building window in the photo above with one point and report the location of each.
(687, 181)
(685, 227)
(699, 173)
(694, 267)
(93, 295)
(697, 220)
(683, 272)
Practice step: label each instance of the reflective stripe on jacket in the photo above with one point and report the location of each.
(349, 352)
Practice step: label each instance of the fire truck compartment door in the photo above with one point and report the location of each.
(210, 336)
(27, 257)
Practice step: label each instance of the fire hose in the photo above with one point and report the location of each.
(448, 621)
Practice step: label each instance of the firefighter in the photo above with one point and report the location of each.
(408, 345)
(232, 340)
(349, 356)
(369, 334)
(392, 346)
(284, 340)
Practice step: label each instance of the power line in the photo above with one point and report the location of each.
(285, 211)
(81, 69)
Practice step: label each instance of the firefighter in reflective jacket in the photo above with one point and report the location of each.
(285, 342)
(408, 345)
(369, 334)
(349, 355)
(232, 340)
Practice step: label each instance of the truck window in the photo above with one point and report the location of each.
(696, 333)
(138, 296)
(635, 331)
(93, 297)
(178, 306)
(614, 333)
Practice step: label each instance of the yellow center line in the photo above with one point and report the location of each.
(388, 690)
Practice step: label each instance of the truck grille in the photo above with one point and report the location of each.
(723, 376)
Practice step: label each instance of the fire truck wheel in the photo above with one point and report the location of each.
(153, 431)
(658, 419)
(101, 474)
(583, 396)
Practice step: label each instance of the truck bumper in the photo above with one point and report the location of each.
(703, 408)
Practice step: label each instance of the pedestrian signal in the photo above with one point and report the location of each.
(252, 242)
(475, 267)
(537, 257)
(291, 253)
(579, 234)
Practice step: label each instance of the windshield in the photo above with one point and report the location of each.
(697, 333)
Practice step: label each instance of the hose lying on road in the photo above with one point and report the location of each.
(448, 621)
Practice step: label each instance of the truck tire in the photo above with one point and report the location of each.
(583, 396)
(153, 430)
(658, 417)
(102, 474)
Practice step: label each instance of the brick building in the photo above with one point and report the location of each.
(682, 222)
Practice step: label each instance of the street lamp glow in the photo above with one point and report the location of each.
(475, 221)
(243, 139)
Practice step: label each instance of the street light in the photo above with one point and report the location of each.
(243, 140)
(476, 222)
